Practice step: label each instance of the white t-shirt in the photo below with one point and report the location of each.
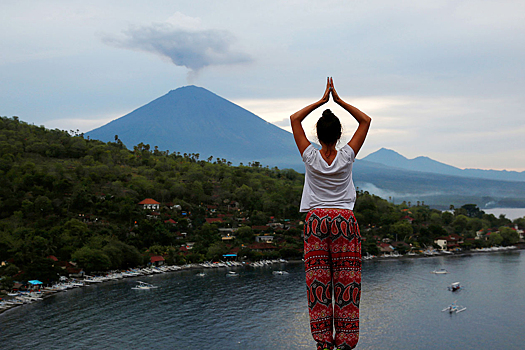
(328, 186)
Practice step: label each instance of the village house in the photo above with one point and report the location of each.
(157, 260)
(226, 234)
(211, 208)
(150, 204)
(518, 231)
(264, 238)
(170, 222)
(260, 228)
(386, 248)
(262, 247)
(276, 225)
(233, 206)
(449, 242)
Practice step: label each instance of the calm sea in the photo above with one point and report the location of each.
(400, 309)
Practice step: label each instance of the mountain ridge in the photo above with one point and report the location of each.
(391, 158)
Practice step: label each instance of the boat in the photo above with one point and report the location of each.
(232, 274)
(454, 308)
(143, 286)
(278, 272)
(201, 274)
(454, 287)
(440, 271)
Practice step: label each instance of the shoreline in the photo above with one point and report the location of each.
(43, 294)
(46, 292)
(453, 255)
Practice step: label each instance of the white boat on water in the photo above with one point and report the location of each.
(440, 272)
(91, 279)
(144, 286)
(201, 274)
(232, 274)
(368, 256)
(454, 308)
(278, 272)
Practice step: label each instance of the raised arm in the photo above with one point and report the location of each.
(364, 121)
(296, 119)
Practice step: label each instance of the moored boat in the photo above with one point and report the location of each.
(454, 287)
(454, 308)
(144, 286)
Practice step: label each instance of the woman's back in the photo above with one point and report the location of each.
(328, 185)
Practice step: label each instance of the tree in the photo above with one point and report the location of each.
(43, 205)
(460, 223)
(508, 235)
(244, 234)
(473, 211)
(370, 247)
(6, 283)
(447, 217)
(42, 269)
(216, 251)
(401, 229)
(495, 238)
(91, 259)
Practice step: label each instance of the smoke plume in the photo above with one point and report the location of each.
(193, 49)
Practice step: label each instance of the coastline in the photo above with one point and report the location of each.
(47, 292)
(452, 255)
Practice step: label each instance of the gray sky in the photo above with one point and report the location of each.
(443, 79)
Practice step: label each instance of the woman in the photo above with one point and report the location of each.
(332, 242)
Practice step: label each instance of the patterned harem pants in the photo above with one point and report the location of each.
(332, 256)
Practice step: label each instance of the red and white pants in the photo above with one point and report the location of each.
(332, 255)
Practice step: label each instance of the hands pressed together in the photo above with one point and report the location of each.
(360, 134)
(330, 89)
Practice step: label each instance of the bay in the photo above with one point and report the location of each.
(400, 309)
(510, 213)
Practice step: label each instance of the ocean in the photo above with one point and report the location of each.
(401, 308)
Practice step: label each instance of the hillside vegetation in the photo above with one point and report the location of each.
(77, 199)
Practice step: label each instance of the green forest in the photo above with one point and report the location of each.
(76, 199)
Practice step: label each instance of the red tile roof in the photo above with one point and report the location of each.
(262, 246)
(156, 258)
(149, 201)
(210, 220)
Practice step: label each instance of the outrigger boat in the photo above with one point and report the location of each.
(440, 271)
(454, 308)
(144, 285)
(454, 287)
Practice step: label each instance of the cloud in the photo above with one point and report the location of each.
(183, 44)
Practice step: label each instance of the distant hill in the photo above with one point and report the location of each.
(392, 158)
(192, 119)
(436, 190)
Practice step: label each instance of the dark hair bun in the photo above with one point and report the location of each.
(328, 128)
